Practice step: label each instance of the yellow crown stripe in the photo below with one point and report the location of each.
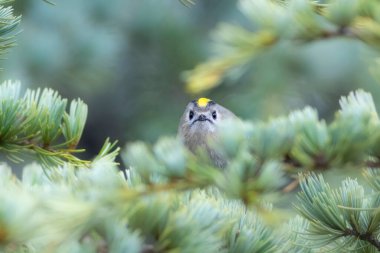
(202, 102)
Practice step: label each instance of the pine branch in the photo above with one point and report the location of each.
(338, 217)
(246, 173)
(305, 21)
(161, 200)
(37, 123)
(262, 154)
(368, 237)
(8, 25)
(245, 178)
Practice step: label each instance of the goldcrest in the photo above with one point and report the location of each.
(198, 127)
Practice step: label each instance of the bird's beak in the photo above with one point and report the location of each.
(202, 117)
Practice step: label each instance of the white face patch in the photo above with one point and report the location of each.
(202, 127)
(202, 121)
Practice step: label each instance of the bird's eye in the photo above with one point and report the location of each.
(191, 115)
(214, 114)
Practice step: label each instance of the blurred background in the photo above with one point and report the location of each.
(126, 60)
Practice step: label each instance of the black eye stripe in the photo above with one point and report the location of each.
(214, 115)
(191, 115)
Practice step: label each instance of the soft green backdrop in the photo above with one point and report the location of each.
(126, 60)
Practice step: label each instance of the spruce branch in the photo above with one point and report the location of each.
(352, 137)
(175, 200)
(373, 178)
(245, 177)
(8, 26)
(368, 237)
(292, 236)
(293, 22)
(37, 123)
(73, 123)
(330, 224)
(262, 154)
(196, 221)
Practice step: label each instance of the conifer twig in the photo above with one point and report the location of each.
(368, 237)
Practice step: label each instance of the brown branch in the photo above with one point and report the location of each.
(372, 164)
(341, 31)
(368, 237)
(130, 193)
(291, 186)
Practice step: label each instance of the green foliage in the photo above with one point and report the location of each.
(176, 201)
(66, 216)
(161, 207)
(8, 25)
(37, 123)
(345, 218)
(260, 152)
(272, 23)
(87, 210)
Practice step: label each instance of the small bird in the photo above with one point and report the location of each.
(198, 127)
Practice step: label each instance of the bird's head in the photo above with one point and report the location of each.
(202, 116)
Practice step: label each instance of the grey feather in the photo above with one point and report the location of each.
(198, 130)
